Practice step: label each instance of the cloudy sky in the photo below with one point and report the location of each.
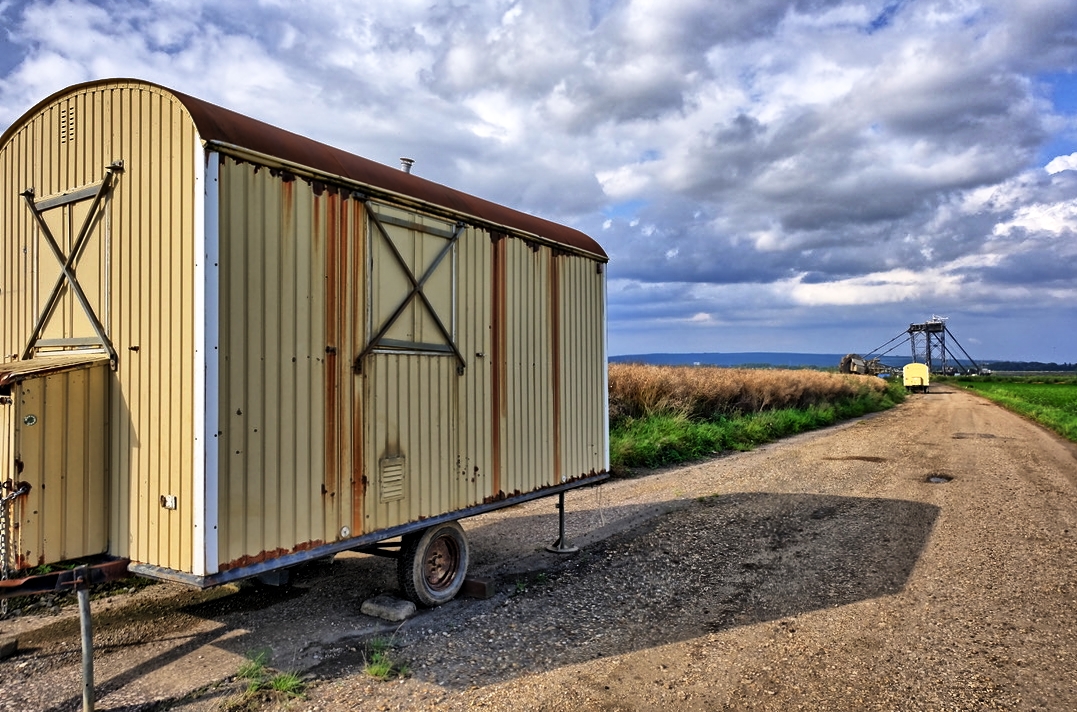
(773, 175)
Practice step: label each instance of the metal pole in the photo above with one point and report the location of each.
(87, 639)
(561, 546)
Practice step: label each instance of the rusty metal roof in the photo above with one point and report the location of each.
(218, 124)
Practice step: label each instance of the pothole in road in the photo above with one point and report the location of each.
(937, 478)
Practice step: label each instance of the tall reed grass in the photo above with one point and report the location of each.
(706, 393)
(661, 415)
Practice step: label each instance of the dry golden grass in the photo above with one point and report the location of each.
(709, 392)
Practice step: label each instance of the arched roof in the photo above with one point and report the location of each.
(216, 124)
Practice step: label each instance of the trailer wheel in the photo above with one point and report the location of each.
(433, 563)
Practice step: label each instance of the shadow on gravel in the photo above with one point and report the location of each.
(113, 683)
(646, 576)
(720, 562)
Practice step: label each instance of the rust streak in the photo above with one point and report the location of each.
(269, 555)
(357, 337)
(315, 228)
(332, 334)
(287, 190)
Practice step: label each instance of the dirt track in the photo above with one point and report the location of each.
(823, 572)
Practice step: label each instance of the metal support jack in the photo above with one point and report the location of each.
(561, 546)
(80, 579)
(82, 587)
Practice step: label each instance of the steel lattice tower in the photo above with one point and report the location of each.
(924, 338)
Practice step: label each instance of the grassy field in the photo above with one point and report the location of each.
(661, 415)
(1050, 401)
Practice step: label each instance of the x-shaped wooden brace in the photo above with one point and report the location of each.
(67, 262)
(416, 291)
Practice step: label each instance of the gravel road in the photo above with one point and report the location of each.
(919, 559)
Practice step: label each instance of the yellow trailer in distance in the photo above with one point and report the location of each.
(917, 377)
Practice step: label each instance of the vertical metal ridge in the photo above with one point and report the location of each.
(333, 316)
(497, 361)
(555, 361)
(356, 403)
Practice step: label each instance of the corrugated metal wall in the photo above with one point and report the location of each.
(529, 406)
(138, 277)
(413, 402)
(582, 363)
(290, 280)
(475, 463)
(524, 336)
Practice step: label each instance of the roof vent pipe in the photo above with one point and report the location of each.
(406, 164)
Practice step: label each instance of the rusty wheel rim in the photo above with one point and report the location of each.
(441, 563)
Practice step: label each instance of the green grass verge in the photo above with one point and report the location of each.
(1051, 404)
(263, 685)
(671, 438)
(379, 661)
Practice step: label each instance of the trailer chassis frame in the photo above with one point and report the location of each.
(372, 541)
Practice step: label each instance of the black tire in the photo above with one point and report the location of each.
(433, 564)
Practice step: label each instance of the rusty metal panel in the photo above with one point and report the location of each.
(412, 402)
(475, 465)
(549, 385)
(290, 278)
(581, 363)
(60, 425)
(526, 416)
(136, 272)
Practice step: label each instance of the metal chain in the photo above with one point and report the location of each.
(5, 518)
(5, 566)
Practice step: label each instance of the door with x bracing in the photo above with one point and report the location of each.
(70, 279)
(411, 366)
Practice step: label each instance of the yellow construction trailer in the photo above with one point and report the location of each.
(228, 349)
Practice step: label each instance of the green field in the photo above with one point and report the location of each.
(1052, 404)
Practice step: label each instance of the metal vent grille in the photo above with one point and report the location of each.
(67, 125)
(391, 478)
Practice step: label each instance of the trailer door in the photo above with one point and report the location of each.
(59, 412)
(411, 368)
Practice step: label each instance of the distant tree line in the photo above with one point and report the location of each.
(1030, 366)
